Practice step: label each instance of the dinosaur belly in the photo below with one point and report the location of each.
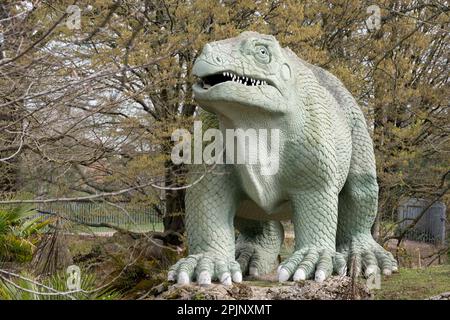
(263, 190)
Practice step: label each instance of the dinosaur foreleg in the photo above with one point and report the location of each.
(315, 221)
(210, 209)
(258, 245)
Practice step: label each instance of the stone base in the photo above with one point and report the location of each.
(442, 296)
(340, 288)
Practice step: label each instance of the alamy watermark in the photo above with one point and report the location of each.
(74, 277)
(374, 280)
(373, 22)
(74, 17)
(257, 147)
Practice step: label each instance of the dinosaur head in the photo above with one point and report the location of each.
(251, 70)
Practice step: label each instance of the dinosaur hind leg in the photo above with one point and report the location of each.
(258, 245)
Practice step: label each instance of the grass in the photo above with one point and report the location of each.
(414, 284)
(130, 227)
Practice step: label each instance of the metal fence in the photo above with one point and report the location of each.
(125, 215)
(431, 227)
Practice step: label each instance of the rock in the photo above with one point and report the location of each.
(340, 288)
(442, 296)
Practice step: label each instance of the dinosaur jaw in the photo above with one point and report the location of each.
(212, 76)
(206, 88)
(208, 81)
(238, 91)
(219, 88)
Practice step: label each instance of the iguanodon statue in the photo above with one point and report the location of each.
(326, 181)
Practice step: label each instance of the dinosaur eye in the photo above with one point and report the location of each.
(262, 54)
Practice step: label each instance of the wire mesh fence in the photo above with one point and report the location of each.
(134, 217)
(432, 225)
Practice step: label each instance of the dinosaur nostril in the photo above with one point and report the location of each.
(218, 59)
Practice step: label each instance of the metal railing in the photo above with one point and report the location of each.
(125, 215)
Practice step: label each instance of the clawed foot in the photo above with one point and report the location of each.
(256, 260)
(310, 262)
(204, 268)
(364, 254)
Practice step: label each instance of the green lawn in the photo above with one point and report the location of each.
(415, 283)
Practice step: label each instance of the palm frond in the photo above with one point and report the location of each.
(19, 232)
(21, 289)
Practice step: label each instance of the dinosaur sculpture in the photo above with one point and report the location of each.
(326, 182)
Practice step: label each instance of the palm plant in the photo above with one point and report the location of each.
(27, 287)
(19, 233)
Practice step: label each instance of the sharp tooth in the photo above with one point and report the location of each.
(223, 73)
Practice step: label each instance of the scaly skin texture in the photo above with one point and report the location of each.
(326, 181)
(258, 245)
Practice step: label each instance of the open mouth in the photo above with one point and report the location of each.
(209, 81)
